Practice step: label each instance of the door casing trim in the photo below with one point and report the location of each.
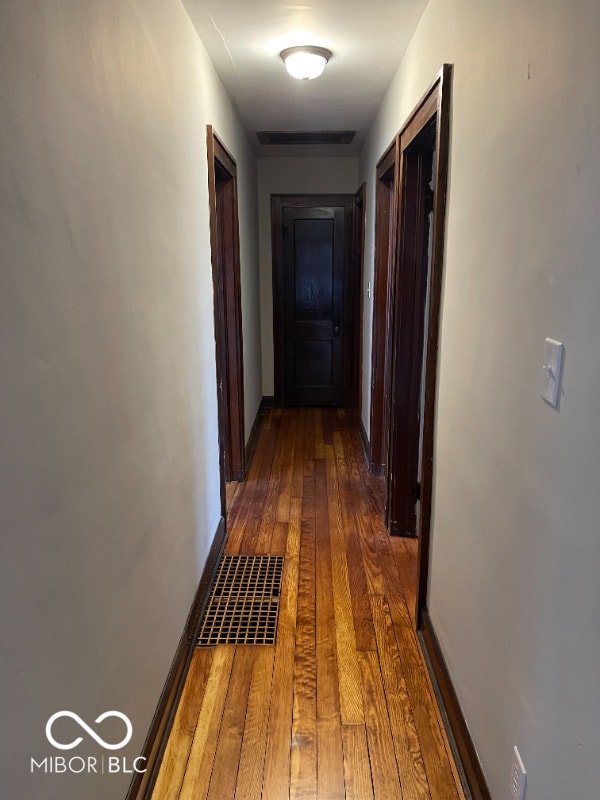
(225, 248)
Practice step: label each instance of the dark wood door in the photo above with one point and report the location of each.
(313, 284)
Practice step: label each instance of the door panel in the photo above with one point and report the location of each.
(313, 300)
(314, 362)
(313, 274)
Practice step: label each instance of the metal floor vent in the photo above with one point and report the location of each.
(244, 602)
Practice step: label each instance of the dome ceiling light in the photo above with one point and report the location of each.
(305, 62)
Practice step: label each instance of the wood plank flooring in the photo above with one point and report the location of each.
(341, 707)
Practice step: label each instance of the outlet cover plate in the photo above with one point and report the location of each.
(518, 777)
(551, 371)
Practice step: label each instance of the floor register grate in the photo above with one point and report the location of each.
(244, 602)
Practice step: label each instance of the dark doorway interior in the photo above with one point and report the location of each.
(225, 254)
(315, 296)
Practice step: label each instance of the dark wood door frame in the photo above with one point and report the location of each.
(427, 129)
(225, 257)
(440, 91)
(360, 210)
(408, 323)
(386, 201)
(351, 289)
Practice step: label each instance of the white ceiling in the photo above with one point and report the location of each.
(367, 39)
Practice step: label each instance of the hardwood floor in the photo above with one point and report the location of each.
(341, 708)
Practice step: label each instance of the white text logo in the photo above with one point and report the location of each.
(88, 730)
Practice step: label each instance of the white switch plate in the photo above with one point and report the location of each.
(551, 371)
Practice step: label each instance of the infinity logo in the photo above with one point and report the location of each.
(88, 730)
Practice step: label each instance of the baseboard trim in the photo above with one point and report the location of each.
(154, 747)
(364, 440)
(266, 403)
(465, 749)
(375, 469)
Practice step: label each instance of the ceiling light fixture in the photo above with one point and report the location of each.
(305, 62)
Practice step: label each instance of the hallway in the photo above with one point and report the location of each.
(341, 706)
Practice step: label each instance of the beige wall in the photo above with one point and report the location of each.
(514, 590)
(109, 487)
(291, 176)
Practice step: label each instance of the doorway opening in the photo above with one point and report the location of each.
(412, 180)
(225, 257)
(316, 300)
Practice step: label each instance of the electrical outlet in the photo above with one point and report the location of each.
(518, 777)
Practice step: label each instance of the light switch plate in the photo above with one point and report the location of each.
(551, 371)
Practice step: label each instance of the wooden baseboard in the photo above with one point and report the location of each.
(467, 754)
(265, 405)
(375, 469)
(143, 783)
(364, 440)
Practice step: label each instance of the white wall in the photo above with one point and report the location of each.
(109, 487)
(515, 586)
(302, 175)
